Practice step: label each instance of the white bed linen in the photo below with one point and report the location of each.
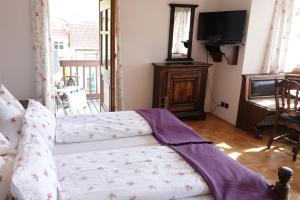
(71, 148)
(149, 172)
(146, 140)
(42, 119)
(103, 126)
(34, 176)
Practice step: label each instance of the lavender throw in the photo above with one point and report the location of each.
(226, 178)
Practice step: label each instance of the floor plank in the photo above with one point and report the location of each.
(248, 150)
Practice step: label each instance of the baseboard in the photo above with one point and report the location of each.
(223, 120)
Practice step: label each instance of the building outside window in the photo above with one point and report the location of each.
(58, 45)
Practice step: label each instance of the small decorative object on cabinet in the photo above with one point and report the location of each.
(180, 87)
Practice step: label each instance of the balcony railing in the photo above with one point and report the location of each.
(83, 73)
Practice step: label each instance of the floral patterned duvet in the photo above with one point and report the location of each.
(103, 126)
(146, 173)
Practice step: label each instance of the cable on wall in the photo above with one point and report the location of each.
(208, 88)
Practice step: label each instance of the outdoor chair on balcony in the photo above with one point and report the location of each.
(77, 101)
(70, 80)
(74, 99)
(79, 74)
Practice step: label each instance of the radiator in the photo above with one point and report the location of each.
(268, 121)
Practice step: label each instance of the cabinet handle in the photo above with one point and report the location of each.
(165, 102)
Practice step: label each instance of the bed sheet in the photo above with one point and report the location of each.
(98, 127)
(149, 172)
(71, 148)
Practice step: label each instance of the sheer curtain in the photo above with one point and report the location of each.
(119, 87)
(181, 30)
(42, 53)
(280, 55)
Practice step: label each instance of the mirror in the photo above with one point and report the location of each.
(181, 32)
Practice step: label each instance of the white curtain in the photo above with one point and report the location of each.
(182, 18)
(282, 35)
(119, 88)
(42, 53)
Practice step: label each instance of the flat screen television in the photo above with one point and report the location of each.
(225, 27)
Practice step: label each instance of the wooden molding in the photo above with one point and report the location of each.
(230, 52)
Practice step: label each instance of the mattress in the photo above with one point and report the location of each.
(149, 172)
(98, 127)
(71, 148)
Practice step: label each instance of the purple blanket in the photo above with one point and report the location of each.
(226, 178)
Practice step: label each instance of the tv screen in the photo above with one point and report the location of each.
(222, 27)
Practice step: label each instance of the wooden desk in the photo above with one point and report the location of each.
(257, 108)
(257, 104)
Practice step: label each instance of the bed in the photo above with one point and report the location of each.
(58, 170)
(81, 129)
(139, 166)
(98, 127)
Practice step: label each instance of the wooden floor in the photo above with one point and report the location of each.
(248, 150)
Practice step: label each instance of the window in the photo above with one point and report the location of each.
(55, 45)
(61, 45)
(293, 58)
(58, 45)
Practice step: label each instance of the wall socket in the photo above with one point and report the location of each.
(224, 105)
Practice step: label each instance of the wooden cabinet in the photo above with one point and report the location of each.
(181, 88)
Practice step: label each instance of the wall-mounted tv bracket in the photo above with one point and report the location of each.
(229, 51)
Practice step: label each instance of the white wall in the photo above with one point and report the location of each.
(227, 80)
(258, 34)
(144, 39)
(0, 77)
(16, 69)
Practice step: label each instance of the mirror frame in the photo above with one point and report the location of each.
(171, 31)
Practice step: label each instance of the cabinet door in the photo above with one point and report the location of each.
(185, 89)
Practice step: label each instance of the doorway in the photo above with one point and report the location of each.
(83, 41)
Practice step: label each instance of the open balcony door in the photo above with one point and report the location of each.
(107, 33)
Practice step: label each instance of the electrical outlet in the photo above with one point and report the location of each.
(222, 104)
(226, 105)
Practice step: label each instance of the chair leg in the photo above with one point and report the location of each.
(272, 136)
(296, 149)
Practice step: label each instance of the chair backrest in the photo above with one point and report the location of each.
(260, 86)
(287, 96)
(77, 100)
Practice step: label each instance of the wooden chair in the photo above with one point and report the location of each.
(287, 113)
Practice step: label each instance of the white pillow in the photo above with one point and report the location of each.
(5, 148)
(10, 122)
(42, 119)
(34, 175)
(6, 168)
(7, 155)
(7, 96)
